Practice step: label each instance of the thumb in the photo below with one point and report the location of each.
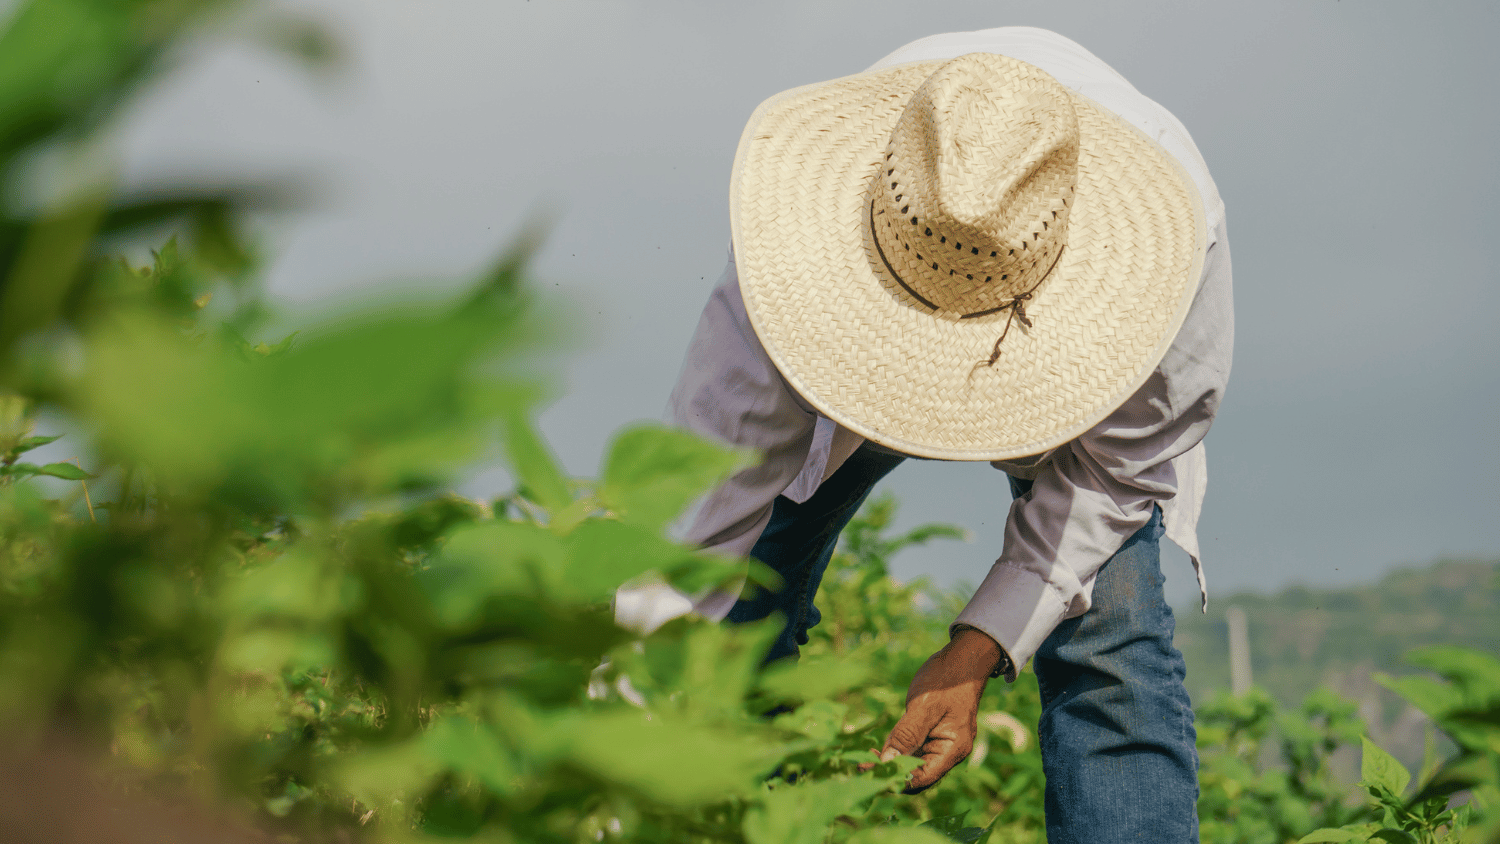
(909, 733)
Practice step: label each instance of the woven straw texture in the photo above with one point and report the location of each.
(1043, 194)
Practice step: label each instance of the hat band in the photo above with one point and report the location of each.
(907, 287)
(1016, 306)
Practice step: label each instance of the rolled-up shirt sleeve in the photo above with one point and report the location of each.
(1094, 492)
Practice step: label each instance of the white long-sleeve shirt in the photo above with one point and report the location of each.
(1088, 496)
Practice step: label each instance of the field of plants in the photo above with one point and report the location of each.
(245, 605)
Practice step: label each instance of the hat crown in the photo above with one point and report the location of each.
(978, 179)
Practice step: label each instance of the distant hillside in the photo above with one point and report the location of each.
(1302, 638)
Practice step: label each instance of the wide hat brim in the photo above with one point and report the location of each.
(873, 358)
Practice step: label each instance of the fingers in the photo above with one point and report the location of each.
(909, 733)
(934, 735)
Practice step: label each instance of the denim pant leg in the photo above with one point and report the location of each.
(1116, 732)
(799, 541)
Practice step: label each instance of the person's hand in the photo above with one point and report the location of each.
(942, 707)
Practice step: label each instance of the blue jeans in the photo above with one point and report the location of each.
(1116, 731)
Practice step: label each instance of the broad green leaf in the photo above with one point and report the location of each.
(952, 827)
(490, 559)
(802, 813)
(535, 466)
(1377, 767)
(66, 471)
(472, 749)
(300, 585)
(814, 678)
(1331, 836)
(1396, 836)
(897, 835)
(55, 56)
(1473, 672)
(821, 720)
(602, 554)
(380, 776)
(1427, 694)
(653, 472)
(677, 762)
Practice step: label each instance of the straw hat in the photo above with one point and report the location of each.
(962, 260)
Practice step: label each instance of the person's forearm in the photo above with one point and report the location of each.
(976, 651)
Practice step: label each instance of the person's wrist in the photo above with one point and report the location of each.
(985, 648)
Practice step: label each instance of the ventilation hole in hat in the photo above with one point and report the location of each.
(975, 250)
(898, 199)
(1002, 278)
(950, 272)
(1044, 225)
(890, 171)
(943, 239)
(893, 185)
(934, 265)
(958, 246)
(913, 219)
(903, 211)
(988, 277)
(970, 276)
(929, 232)
(1012, 252)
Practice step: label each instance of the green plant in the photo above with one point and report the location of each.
(1465, 705)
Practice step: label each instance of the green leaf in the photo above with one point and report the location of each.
(1377, 767)
(653, 472)
(30, 443)
(1324, 836)
(66, 471)
(1396, 836)
(802, 813)
(897, 835)
(490, 559)
(472, 749)
(536, 468)
(814, 678)
(952, 827)
(1473, 672)
(602, 554)
(674, 761)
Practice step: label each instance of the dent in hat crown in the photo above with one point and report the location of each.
(977, 183)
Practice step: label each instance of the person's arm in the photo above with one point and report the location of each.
(730, 392)
(1084, 503)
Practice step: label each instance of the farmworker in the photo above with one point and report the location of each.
(987, 247)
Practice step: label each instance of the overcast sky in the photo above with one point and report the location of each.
(1353, 144)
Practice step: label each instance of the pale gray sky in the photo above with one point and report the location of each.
(1352, 143)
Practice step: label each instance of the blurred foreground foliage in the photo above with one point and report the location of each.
(250, 584)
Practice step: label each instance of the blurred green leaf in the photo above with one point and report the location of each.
(603, 554)
(1321, 836)
(814, 678)
(536, 468)
(803, 813)
(896, 835)
(677, 762)
(490, 559)
(652, 473)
